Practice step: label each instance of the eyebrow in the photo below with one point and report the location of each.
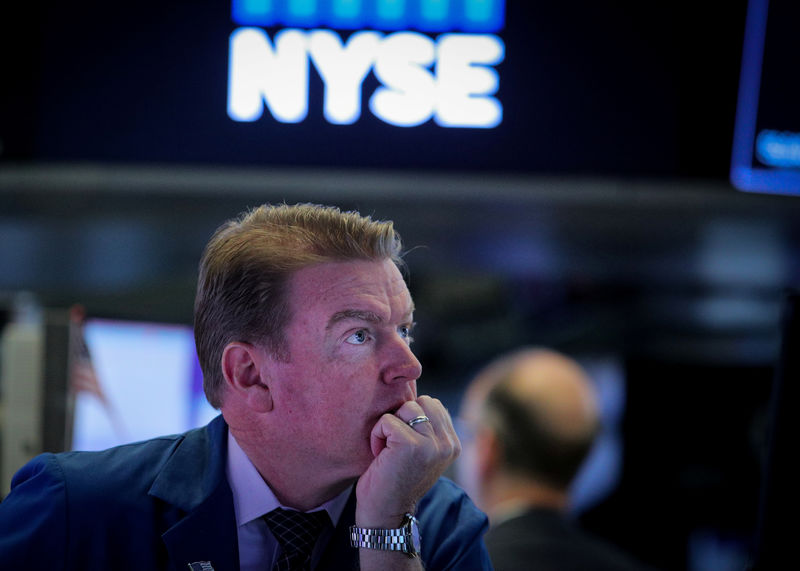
(370, 316)
(359, 314)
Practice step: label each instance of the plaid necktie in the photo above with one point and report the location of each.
(297, 532)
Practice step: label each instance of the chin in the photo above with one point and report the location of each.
(361, 462)
(354, 461)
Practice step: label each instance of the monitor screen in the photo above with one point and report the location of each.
(141, 380)
(766, 151)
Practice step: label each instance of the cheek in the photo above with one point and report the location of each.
(334, 395)
(345, 357)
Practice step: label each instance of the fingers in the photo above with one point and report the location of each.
(441, 420)
(442, 423)
(439, 425)
(437, 430)
(413, 412)
(408, 459)
(417, 420)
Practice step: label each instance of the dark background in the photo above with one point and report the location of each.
(589, 88)
(597, 219)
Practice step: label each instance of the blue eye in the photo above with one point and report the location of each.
(358, 338)
(405, 332)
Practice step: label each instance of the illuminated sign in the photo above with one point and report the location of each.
(449, 78)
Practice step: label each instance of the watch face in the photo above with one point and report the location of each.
(415, 534)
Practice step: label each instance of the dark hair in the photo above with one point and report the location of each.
(529, 446)
(241, 289)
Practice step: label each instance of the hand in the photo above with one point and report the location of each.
(408, 461)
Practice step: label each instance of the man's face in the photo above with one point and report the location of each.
(349, 361)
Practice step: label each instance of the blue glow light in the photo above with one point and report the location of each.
(302, 13)
(302, 8)
(345, 14)
(256, 12)
(434, 10)
(483, 15)
(390, 15)
(428, 15)
(390, 9)
(778, 149)
(346, 8)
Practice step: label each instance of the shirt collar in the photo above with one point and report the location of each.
(252, 497)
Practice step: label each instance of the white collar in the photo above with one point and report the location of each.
(252, 497)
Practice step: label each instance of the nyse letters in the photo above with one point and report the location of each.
(450, 80)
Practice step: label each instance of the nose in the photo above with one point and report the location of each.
(401, 365)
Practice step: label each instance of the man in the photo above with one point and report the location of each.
(323, 453)
(532, 416)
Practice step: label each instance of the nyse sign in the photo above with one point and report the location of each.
(448, 80)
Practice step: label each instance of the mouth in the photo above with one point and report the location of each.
(394, 406)
(393, 410)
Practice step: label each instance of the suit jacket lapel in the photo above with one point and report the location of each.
(207, 533)
(193, 482)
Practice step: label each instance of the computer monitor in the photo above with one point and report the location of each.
(766, 148)
(138, 380)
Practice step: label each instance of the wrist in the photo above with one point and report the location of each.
(382, 518)
(404, 538)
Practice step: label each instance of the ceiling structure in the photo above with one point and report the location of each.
(679, 270)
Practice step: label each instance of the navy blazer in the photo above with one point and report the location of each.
(165, 503)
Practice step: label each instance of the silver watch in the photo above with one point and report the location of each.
(405, 538)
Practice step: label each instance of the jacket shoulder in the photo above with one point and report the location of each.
(124, 469)
(452, 529)
(81, 507)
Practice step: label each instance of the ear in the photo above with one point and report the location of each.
(489, 453)
(242, 367)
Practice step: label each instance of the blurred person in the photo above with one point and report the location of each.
(324, 456)
(530, 419)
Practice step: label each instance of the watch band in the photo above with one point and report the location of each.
(404, 538)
